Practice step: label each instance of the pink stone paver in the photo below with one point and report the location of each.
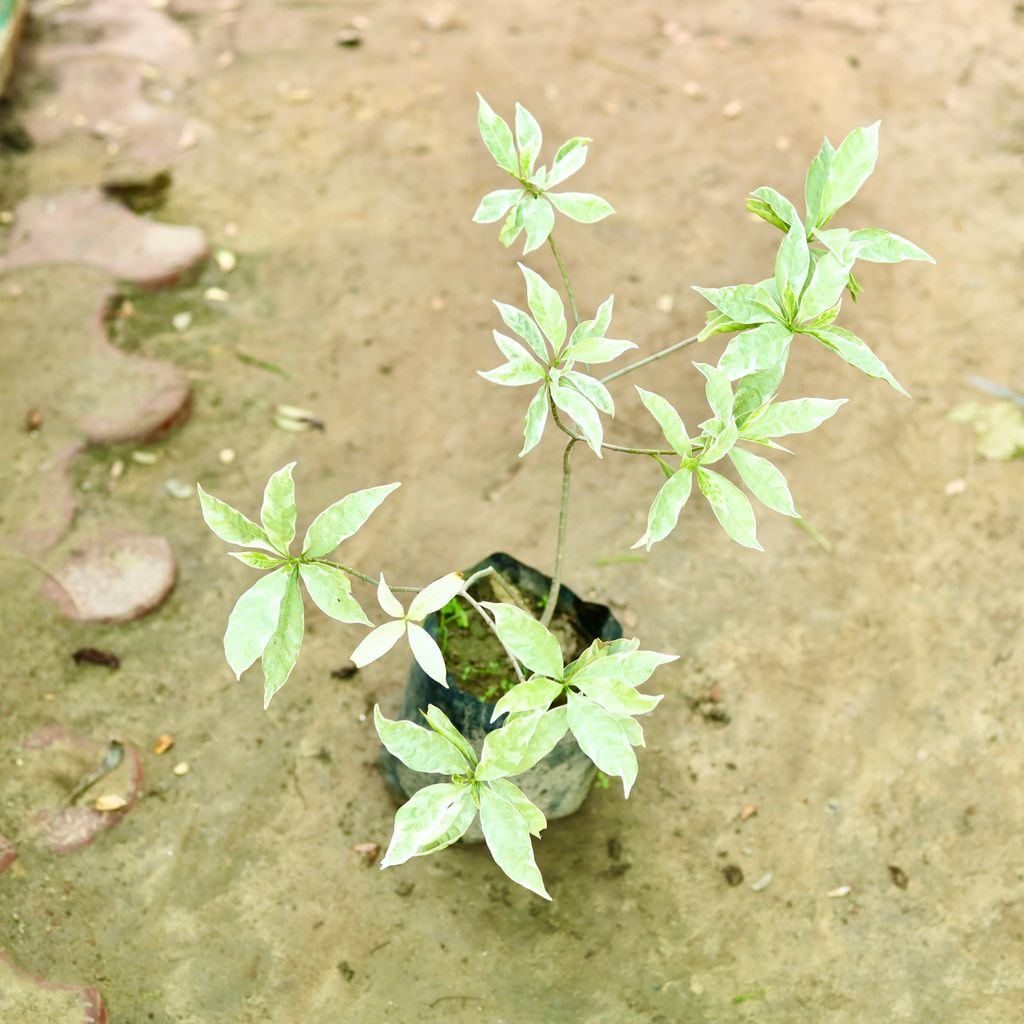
(62, 755)
(26, 999)
(55, 502)
(113, 578)
(8, 854)
(87, 227)
(133, 399)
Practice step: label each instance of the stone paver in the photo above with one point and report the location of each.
(88, 227)
(26, 999)
(113, 578)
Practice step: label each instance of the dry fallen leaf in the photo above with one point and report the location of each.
(110, 802)
(163, 744)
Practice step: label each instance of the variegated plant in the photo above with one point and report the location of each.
(597, 696)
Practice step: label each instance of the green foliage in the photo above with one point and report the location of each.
(531, 207)
(596, 698)
(268, 621)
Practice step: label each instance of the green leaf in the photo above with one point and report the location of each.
(507, 835)
(520, 369)
(628, 666)
(592, 389)
(513, 225)
(602, 737)
(597, 650)
(718, 323)
(581, 206)
(536, 417)
(851, 166)
(497, 137)
(529, 140)
(282, 652)
(532, 815)
(664, 513)
(536, 694)
(598, 350)
(495, 205)
(765, 481)
(742, 303)
(825, 288)
(257, 559)
(583, 412)
(852, 350)
(722, 441)
(769, 205)
(760, 348)
(754, 390)
(520, 743)
(538, 219)
(230, 525)
(839, 242)
(422, 750)
(527, 640)
(880, 246)
(524, 326)
(795, 417)
(791, 265)
(434, 817)
(331, 592)
(718, 390)
(546, 305)
(253, 620)
(442, 725)
(570, 157)
(278, 511)
(817, 178)
(341, 520)
(671, 424)
(731, 507)
(617, 697)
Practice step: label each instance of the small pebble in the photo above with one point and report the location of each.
(216, 295)
(782, 143)
(692, 89)
(437, 304)
(762, 883)
(226, 260)
(225, 59)
(110, 802)
(230, 230)
(163, 744)
(840, 892)
(226, 456)
(117, 469)
(664, 303)
(145, 458)
(368, 851)
(179, 489)
(6, 217)
(181, 768)
(748, 812)
(188, 138)
(181, 321)
(732, 109)
(955, 487)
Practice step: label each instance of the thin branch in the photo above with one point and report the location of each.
(686, 342)
(624, 449)
(565, 277)
(366, 579)
(563, 518)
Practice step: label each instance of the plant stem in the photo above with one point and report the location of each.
(482, 612)
(650, 359)
(626, 450)
(565, 277)
(563, 519)
(366, 579)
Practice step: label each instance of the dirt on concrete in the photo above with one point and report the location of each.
(871, 693)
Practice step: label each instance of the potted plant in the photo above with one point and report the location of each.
(514, 677)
